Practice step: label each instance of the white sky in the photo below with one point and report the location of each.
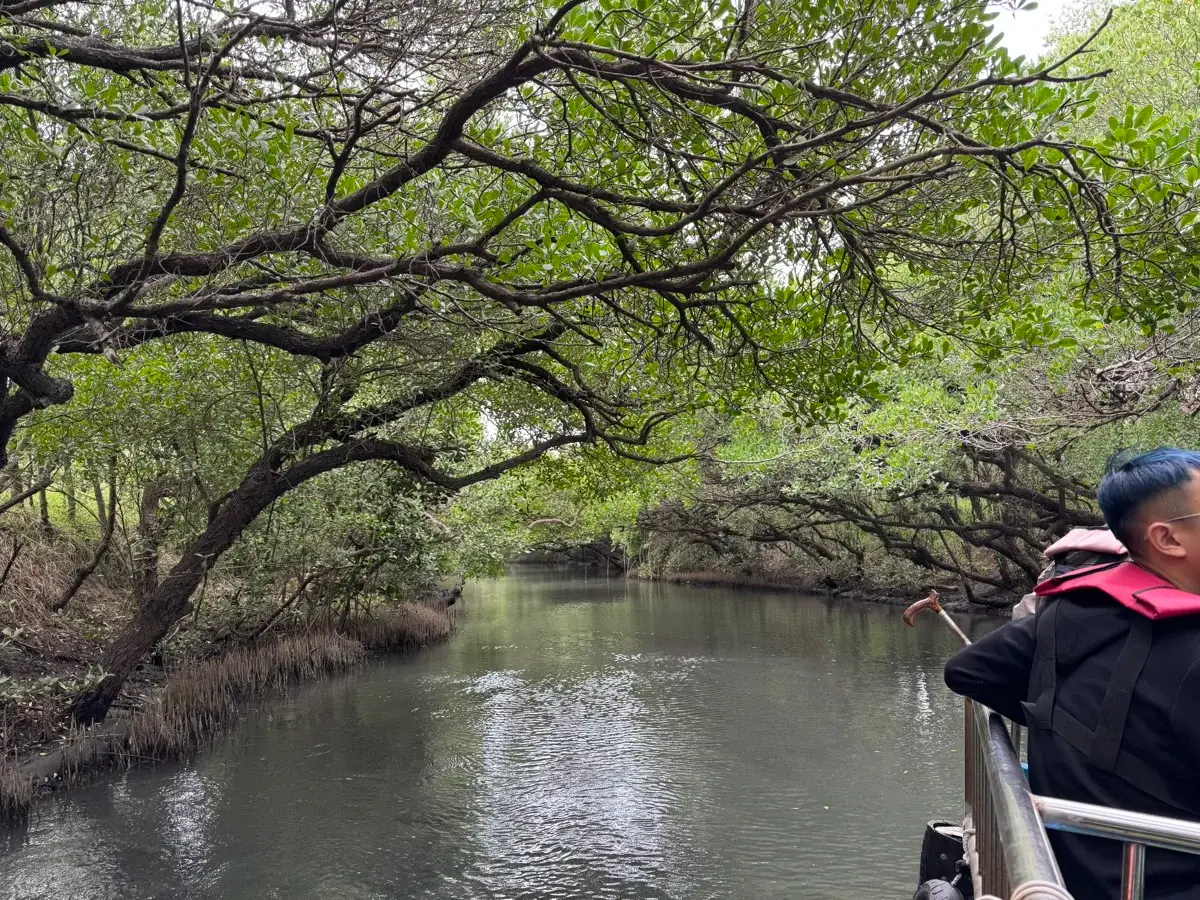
(1025, 32)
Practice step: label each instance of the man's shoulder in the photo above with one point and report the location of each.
(1091, 624)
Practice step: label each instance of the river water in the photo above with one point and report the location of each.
(577, 739)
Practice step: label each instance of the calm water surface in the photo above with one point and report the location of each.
(577, 739)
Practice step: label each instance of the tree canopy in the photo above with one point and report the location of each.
(259, 243)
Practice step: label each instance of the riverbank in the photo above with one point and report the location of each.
(951, 596)
(174, 714)
(892, 583)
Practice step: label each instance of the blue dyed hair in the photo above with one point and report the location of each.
(1132, 481)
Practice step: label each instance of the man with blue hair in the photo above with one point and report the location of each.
(1106, 676)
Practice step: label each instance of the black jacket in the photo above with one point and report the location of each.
(1162, 729)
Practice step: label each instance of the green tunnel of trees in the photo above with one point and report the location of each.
(305, 303)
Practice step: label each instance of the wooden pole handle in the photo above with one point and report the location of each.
(931, 602)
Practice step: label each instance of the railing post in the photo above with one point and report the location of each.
(1133, 871)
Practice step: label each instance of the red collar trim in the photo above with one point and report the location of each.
(1130, 585)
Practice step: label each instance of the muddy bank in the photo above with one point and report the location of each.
(951, 595)
(186, 708)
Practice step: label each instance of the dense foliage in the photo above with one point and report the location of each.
(967, 459)
(282, 280)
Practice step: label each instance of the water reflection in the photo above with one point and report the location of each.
(576, 740)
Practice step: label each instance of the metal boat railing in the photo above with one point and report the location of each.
(1007, 847)
(1136, 831)
(1005, 829)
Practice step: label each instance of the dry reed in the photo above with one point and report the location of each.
(201, 698)
(45, 565)
(406, 627)
(16, 795)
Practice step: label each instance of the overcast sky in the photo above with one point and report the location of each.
(1025, 32)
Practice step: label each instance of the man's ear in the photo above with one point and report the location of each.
(1161, 537)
